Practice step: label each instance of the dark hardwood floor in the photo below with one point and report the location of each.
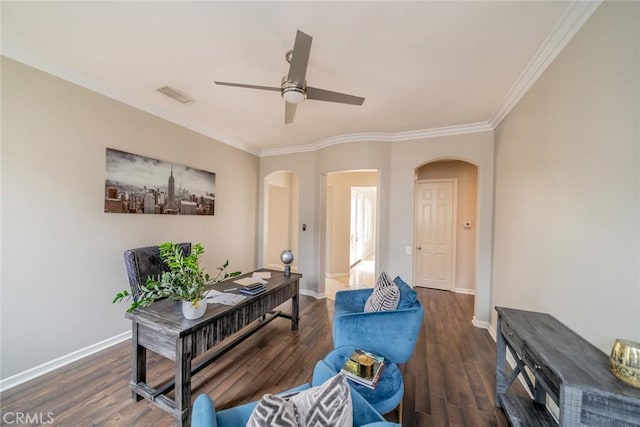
(448, 382)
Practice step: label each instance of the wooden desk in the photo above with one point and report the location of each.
(162, 329)
(564, 367)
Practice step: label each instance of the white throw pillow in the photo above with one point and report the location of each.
(385, 295)
(326, 405)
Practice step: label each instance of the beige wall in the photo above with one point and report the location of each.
(406, 157)
(61, 255)
(303, 165)
(567, 185)
(467, 178)
(312, 169)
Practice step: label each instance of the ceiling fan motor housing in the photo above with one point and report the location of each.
(293, 92)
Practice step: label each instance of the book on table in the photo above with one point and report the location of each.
(364, 368)
(253, 289)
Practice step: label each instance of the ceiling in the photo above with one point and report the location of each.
(422, 66)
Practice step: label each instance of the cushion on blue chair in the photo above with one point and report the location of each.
(390, 388)
(408, 296)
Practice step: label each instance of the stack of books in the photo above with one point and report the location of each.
(364, 368)
(254, 289)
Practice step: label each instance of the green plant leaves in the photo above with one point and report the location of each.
(185, 280)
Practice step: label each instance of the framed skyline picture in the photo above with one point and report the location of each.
(143, 185)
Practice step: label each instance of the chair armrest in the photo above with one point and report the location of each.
(353, 297)
(204, 412)
(392, 334)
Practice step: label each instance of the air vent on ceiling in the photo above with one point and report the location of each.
(176, 94)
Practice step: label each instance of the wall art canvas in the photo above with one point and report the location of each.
(143, 185)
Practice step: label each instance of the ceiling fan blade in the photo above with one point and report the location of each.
(327, 95)
(299, 58)
(277, 89)
(289, 112)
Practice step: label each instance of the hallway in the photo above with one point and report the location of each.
(361, 275)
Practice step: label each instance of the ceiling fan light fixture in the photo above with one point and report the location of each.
(293, 95)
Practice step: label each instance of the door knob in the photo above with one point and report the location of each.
(419, 248)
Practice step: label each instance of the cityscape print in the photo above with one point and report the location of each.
(142, 185)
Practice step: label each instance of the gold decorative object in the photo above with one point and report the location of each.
(366, 366)
(625, 361)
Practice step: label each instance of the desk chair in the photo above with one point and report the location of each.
(143, 263)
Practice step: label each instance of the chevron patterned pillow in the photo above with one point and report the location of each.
(326, 405)
(273, 411)
(385, 295)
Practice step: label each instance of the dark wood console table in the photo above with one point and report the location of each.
(162, 329)
(565, 367)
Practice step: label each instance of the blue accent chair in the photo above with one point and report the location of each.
(204, 412)
(391, 334)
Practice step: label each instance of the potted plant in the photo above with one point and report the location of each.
(185, 281)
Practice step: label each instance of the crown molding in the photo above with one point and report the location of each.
(380, 137)
(571, 21)
(42, 63)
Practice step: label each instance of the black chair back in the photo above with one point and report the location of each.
(143, 263)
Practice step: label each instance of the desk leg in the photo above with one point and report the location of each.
(501, 363)
(183, 380)
(138, 362)
(295, 306)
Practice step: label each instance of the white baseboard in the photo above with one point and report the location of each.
(29, 374)
(482, 325)
(464, 291)
(336, 275)
(311, 294)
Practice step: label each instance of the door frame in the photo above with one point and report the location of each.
(454, 234)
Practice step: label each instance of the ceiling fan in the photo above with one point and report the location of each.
(294, 87)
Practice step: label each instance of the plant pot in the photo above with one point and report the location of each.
(189, 311)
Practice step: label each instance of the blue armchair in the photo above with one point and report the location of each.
(204, 413)
(391, 334)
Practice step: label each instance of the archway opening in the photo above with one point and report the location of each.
(351, 230)
(281, 207)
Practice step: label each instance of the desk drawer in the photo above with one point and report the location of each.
(514, 340)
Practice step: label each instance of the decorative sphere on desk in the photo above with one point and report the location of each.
(287, 258)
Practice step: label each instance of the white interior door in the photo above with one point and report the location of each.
(435, 233)
(357, 227)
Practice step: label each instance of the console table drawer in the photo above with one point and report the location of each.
(515, 341)
(543, 373)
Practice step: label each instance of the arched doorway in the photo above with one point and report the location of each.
(445, 225)
(281, 202)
